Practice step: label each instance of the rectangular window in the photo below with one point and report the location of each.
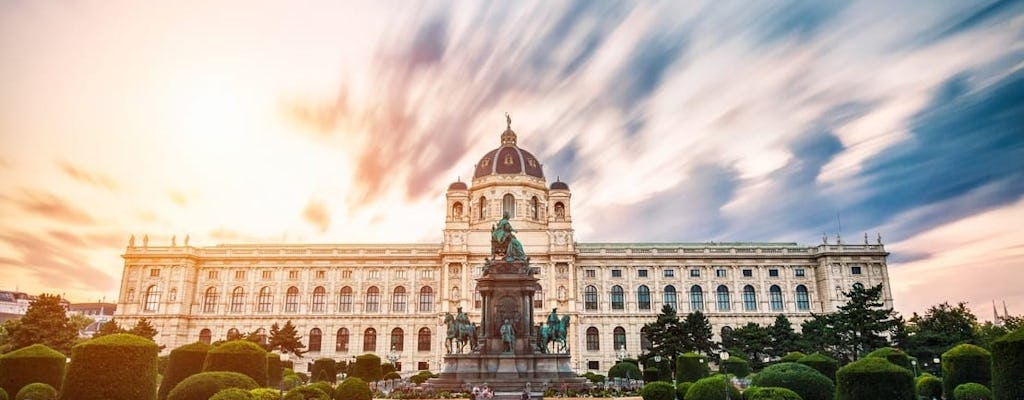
(590, 273)
(720, 273)
(641, 273)
(212, 274)
(616, 273)
(799, 272)
(293, 275)
(154, 273)
(321, 274)
(268, 275)
(427, 274)
(400, 274)
(773, 272)
(748, 273)
(695, 273)
(239, 275)
(373, 274)
(422, 366)
(346, 274)
(593, 365)
(855, 270)
(670, 273)
(538, 299)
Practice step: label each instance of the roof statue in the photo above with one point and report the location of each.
(508, 121)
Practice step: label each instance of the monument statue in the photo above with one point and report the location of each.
(460, 332)
(508, 336)
(554, 332)
(504, 244)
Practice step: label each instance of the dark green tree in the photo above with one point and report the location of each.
(863, 323)
(752, 341)
(783, 338)
(286, 339)
(45, 322)
(940, 328)
(144, 328)
(696, 333)
(664, 334)
(109, 328)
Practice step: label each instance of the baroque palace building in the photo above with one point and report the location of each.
(348, 299)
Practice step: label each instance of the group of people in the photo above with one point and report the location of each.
(482, 392)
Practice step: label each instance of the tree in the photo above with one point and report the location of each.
(862, 324)
(750, 341)
(941, 327)
(109, 328)
(696, 333)
(80, 321)
(7, 329)
(783, 338)
(664, 334)
(286, 339)
(47, 323)
(144, 328)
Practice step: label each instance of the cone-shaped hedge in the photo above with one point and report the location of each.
(691, 367)
(1008, 366)
(275, 369)
(204, 385)
(32, 364)
(965, 363)
(114, 367)
(805, 381)
(894, 355)
(821, 363)
(184, 362)
(874, 378)
(240, 356)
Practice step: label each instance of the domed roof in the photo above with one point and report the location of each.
(460, 185)
(559, 185)
(508, 159)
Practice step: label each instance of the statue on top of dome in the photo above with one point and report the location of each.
(504, 244)
(508, 120)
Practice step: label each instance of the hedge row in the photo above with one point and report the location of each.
(32, 364)
(37, 391)
(658, 391)
(240, 356)
(1008, 366)
(893, 355)
(324, 369)
(113, 367)
(965, 363)
(183, 362)
(353, 389)
(805, 381)
(770, 393)
(824, 364)
(712, 388)
(691, 367)
(874, 378)
(204, 385)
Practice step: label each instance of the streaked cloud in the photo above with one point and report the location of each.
(49, 205)
(81, 175)
(317, 214)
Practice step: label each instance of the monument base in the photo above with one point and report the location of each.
(508, 373)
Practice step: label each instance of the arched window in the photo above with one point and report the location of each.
(593, 339)
(590, 298)
(370, 340)
(483, 207)
(398, 299)
(803, 302)
(210, 300)
(457, 210)
(264, 300)
(426, 299)
(233, 334)
(398, 339)
(535, 208)
(205, 336)
(508, 205)
(319, 299)
(538, 299)
(645, 341)
(619, 338)
(291, 300)
(749, 298)
(456, 293)
(559, 211)
(237, 299)
(372, 299)
(643, 297)
(345, 299)
(726, 334)
(696, 298)
(618, 301)
(670, 297)
(315, 338)
(152, 298)
(723, 298)
(173, 295)
(423, 340)
(775, 298)
(341, 342)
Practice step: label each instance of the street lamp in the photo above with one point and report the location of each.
(394, 355)
(938, 365)
(725, 356)
(620, 354)
(914, 364)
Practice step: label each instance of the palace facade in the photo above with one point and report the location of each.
(348, 300)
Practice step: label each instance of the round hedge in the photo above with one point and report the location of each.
(736, 366)
(32, 364)
(240, 356)
(972, 391)
(792, 356)
(275, 369)
(183, 362)
(625, 370)
(874, 378)
(894, 355)
(353, 389)
(324, 387)
(203, 385)
(265, 394)
(770, 393)
(805, 381)
(37, 391)
(3, 394)
(324, 369)
(232, 394)
(651, 374)
(928, 386)
(681, 390)
(712, 388)
(290, 381)
(653, 391)
(121, 366)
(306, 393)
(824, 364)
(1008, 366)
(691, 367)
(963, 364)
(367, 367)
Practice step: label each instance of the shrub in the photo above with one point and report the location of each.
(421, 377)
(275, 369)
(387, 367)
(894, 355)
(203, 385)
(625, 370)
(3, 394)
(324, 369)
(713, 388)
(792, 356)
(691, 367)
(928, 386)
(874, 378)
(1008, 366)
(324, 387)
(657, 391)
(965, 363)
(120, 366)
(183, 362)
(353, 389)
(681, 390)
(306, 393)
(161, 364)
(770, 393)
(805, 381)
(821, 363)
(367, 368)
(651, 374)
(392, 376)
(232, 394)
(32, 364)
(265, 394)
(972, 391)
(736, 366)
(240, 356)
(37, 391)
(289, 364)
(291, 381)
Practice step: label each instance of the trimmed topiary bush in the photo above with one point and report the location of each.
(681, 390)
(658, 391)
(306, 393)
(114, 367)
(232, 394)
(275, 369)
(770, 393)
(874, 378)
(824, 364)
(290, 381)
(963, 364)
(792, 356)
(37, 391)
(33, 364)
(972, 391)
(736, 366)
(240, 356)
(367, 367)
(894, 355)
(387, 367)
(324, 387)
(691, 367)
(651, 374)
(421, 377)
(805, 381)
(1008, 366)
(625, 370)
(324, 369)
(265, 394)
(3, 394)
(353, 389)
(183, 362)
(928, 386)
(204, 385)
(712, 388)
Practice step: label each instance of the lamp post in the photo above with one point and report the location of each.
(725, 356)
(914, 364)
(938, 365)
(393, 356)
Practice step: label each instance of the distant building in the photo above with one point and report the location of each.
(374, 298)
(14, 305)
(100, 313)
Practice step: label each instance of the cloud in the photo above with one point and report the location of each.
(317, 214)
(54, 264)
(81, 175)
(178, 198)
(50, 206)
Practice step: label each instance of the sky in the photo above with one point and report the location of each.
(344, 122)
